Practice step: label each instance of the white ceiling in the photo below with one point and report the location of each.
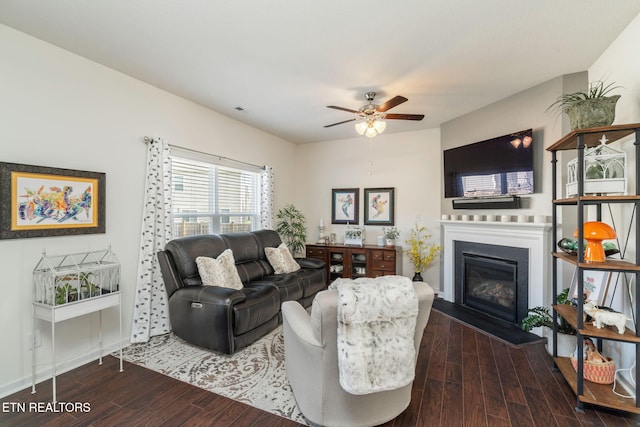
(284, 61)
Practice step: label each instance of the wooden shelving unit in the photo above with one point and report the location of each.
(586, 391)
(592, 393)
(570, 314)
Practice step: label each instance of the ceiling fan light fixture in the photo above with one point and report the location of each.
(361, 127)
(371, 132)
(379, 126)
(370, 118)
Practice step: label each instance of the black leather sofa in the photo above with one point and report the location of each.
(223, 319)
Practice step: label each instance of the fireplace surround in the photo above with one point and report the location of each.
(532, 238)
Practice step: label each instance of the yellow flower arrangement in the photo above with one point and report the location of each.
(420, 252)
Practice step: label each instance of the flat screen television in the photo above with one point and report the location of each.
(497, 166)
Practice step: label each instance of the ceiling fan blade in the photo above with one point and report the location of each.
(404, 116)
(339, 123)
(343, 109)
(397, 100)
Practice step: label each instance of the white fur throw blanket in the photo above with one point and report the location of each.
(376, 326)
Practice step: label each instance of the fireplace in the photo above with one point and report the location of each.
(492, 279)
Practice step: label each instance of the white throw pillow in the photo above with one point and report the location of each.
(281, 259)
(219, 271)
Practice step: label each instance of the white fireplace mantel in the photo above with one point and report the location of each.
(536, 237)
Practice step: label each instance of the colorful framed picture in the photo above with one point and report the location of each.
(344, 205)
(39, 201)
(378, 206)
(595, 286)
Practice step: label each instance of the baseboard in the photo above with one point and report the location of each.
(68, 365)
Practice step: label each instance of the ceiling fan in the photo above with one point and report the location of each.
(371, 115)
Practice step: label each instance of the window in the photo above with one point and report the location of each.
(211, 197)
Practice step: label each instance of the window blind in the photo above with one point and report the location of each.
(210, 198)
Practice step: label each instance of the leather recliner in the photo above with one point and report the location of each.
(224, 319)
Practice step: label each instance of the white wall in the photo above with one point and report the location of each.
(620, 64)
(409, 162)
(61, 110)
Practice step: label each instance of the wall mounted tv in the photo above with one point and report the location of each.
(497, 166)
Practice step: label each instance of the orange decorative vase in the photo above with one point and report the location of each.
(594, 233)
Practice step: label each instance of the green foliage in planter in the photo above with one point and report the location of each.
(541, 316)
(86, 286)
(291, 228)
(65, 293)
(596, 90)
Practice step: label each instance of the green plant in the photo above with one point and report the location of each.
(390, 232)
(65, 293)
(597, 89)
(291, 228)
(86, 286)
(420, 252)
(541, 316)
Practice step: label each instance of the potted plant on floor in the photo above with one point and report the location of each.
(420, 252)
(540, 317)
(291, 228)
(588, 109)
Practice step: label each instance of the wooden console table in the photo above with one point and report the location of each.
(357, 261)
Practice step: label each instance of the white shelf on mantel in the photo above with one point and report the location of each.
(499, 224)
(536, 237)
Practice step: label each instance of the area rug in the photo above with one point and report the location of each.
(254, 375)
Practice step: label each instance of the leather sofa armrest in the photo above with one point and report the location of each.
(169, 272)
(310, 263)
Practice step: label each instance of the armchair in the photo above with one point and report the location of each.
(311, 362)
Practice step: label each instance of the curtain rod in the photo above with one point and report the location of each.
(147, 140)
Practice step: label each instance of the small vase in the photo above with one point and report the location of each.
(417, 277)
(390, 242)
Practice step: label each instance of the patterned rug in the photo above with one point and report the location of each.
(254, 375)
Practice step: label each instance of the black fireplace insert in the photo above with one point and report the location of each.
(492, 279)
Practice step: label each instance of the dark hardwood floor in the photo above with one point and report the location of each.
(463, 378)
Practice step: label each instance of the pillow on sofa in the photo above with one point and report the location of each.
(281, 259)
(219, 271)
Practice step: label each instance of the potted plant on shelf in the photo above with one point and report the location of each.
(540, 317)
(592, 108)
(390, 235)
(291, 228)
(420, 252)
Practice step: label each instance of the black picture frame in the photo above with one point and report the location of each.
(345, 203)
(41, 201)
(379, 206)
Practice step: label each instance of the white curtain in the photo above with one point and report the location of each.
(266, 194)
(151, 314)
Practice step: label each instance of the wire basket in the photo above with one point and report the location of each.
(597, 372)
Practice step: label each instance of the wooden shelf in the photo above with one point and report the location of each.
(609, 264)
(595, 394)
(592, 136)
(570, 314)
(597, 199)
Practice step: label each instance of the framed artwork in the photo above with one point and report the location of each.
(39, 201)
(344, 205)
(378, 206)
(596, 284)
